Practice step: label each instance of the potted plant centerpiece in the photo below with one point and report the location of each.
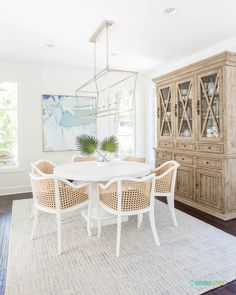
(87, 145)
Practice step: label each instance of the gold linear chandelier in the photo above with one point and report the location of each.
(108, 84)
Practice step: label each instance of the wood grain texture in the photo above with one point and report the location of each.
(209, 163)
(184, 185)
(218, 60)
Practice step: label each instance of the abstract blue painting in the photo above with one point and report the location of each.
(65, 117)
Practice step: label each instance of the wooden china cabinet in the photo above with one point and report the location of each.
(196, 126)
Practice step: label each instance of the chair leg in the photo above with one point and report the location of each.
(89, 218)
(35, 222)
(58, 233)
(118, 235)
(140, 220)
(153, 226)
(99, 223)
(171, 204)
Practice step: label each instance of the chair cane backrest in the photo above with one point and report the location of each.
(78, 158)
(128, 194)
(136, 159)
(44, 192)
(43, 168)
(166, 177)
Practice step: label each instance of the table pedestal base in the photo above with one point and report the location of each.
(105, 217)
(98, 213)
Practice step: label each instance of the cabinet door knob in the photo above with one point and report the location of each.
(197, 186)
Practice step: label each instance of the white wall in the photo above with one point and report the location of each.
(33, 81)
(229, 45)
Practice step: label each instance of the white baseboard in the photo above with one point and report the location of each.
(12, 190)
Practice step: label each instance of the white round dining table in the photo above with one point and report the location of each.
(90, 171)
(94, 174)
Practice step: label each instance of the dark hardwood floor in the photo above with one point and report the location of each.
(5, 224)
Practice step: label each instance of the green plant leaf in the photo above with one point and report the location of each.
(110, 144)
(86, 144)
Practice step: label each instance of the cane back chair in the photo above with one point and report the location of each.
(57, 196)
(129, 196)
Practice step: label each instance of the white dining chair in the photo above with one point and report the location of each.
(56, 196)
(165, 184)
(42, 167)
(79, 158)
(126, 197)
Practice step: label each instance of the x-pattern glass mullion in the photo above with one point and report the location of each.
(164, 111)
(184, 104)
(209, 100)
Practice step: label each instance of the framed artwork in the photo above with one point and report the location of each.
(65, 117)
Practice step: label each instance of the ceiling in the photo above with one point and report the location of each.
(141, 39)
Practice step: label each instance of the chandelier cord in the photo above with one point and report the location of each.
(95, 73)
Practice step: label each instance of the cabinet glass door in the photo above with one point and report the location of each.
(184, 109)
(164, 112)
(209, 106)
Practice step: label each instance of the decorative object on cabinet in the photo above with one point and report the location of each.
(199, 132)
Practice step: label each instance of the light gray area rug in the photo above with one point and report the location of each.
(193, 258)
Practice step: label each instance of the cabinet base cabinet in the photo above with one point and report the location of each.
(184, 182)
(209, 188)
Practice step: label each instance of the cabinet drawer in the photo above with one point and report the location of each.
(185, 159)
(164, 156)
(211, 163)
(166, 144)
(185, 146)
(214, 148)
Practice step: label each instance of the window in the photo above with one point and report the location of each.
(8, 125)
(124, 125)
